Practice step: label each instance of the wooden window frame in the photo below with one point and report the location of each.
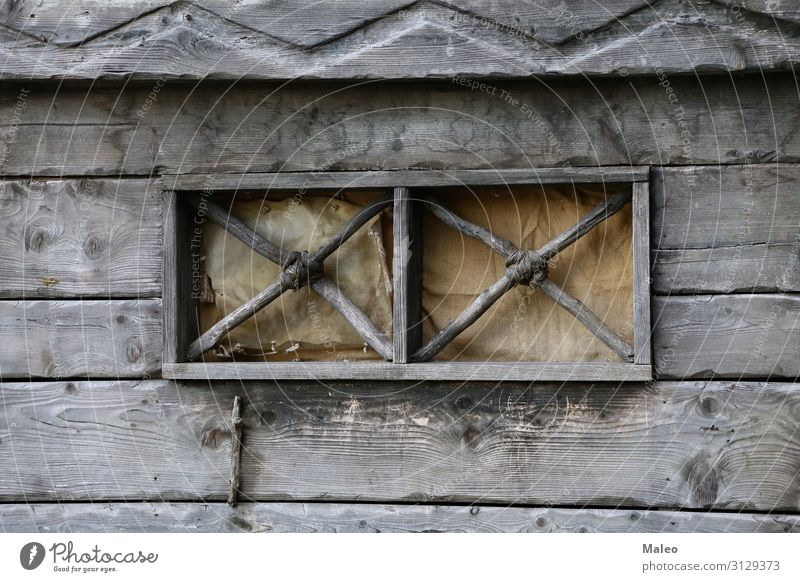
(180, 312)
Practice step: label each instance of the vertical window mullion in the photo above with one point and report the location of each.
(407, 274)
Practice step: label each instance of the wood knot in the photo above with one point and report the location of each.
(133, 352)
(710, 406)
(214, 437)
(703, 479)
(38, 240)
(526, 267)
(93, 246)
(300, 268)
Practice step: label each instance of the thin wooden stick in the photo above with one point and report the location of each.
(294, 276)
(362, 324)
(360, 219)
(236, 451)
(324, 286)
(587, 318)
(598, 214)
(467, 317)
(216, 332)
(239, 229)
(499, 245)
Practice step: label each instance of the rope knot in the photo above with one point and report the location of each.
(526, 267)
(300, 268)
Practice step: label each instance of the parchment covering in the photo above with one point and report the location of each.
(300, 324)
(525, 325)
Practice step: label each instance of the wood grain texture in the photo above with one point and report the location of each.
(80, 238)
(112, 440)
(718, 445)
(91, 338)
(642, 323)
(727, 336)
(730, 446)
(257, 127)
(726, 229)
(181, 289)
(565, 123)
(95, 147)
(400, 39)
(407, 275)
(405, 178)
(370, 518)
(457, 371)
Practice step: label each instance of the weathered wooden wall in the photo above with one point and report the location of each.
(88, 421)
(342, 39)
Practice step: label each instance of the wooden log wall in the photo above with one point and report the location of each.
(710, 445)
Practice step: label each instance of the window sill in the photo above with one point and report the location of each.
(453, 371)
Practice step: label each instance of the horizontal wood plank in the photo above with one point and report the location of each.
(692, 444)
(89, 144)
(408, 178)
(259, 127)
(80, 238)
(727, 336)
(91, 338)
(370, 518)
(341, 39)
(308, 127)
(726, 229)
(111, 440)
(460, 371)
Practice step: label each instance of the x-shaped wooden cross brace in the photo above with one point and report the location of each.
(527, 268)
(300, 268)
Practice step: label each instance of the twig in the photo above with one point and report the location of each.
(236, 450)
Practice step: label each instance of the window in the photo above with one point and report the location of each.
(459, 275)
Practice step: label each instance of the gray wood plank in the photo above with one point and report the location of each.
(726, 229)
(112, 440)
(641, 275)
(375, 126)
(457, 371)
(407, 275)
(277, 517)
(90, 338)
(756, 268)
(694, 444)
(181, 277)
(80, 238)
(407, 179)
(425, 126)
(727, 336)
(669, 445)
(347, 39)
(87, 145)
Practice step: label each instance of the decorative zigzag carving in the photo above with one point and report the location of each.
(343, 39)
